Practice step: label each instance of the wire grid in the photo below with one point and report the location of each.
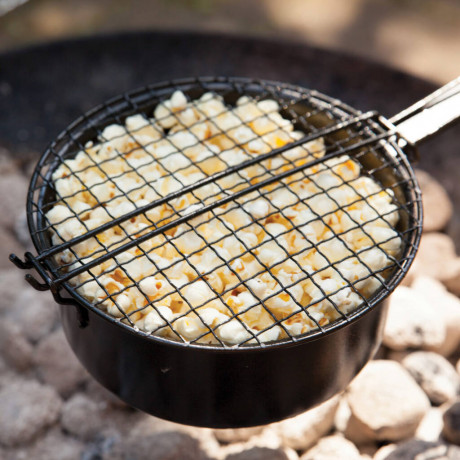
(304, 108)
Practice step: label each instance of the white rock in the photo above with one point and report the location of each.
(435, 257)
(8, 245)
(386, 403)
(430, 427)
(384, 451)
(55, 445)
(16, 350)
(302, 431)
(447, 306)
(412, 322)
(34, 312)
(434, 374)
(27, 407)
(437, 206)
(238, 434)
(332, 448)
(13, 190)
(12, 283)
(342, 415)
(57, 365)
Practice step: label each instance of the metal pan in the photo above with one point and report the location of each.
(251, 384)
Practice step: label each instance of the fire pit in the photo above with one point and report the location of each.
(67, 407)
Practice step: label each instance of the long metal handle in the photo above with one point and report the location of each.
(431, 114)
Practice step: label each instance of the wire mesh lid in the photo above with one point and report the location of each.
(225, 212)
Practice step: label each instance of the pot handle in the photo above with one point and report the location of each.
(429, 115)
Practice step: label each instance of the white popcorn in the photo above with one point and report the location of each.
(233, 332)
(318, 238)
(156, 319)
(150, 285)
(198, 293)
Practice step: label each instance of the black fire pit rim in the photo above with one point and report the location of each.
(289, 44)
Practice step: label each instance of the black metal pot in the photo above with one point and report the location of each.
(219, 388)
(212, 386)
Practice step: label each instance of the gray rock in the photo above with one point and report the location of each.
(259, 453)
(430, 427)
(304, 430)
(437, 206)
(55, 445)
(412, 322)
(16, 350)
(386, 403)
(21, 231)
(13, 190)
(27, 408)
(332, 448)
(167, 445)
(422, 450)
(7, 164)
(35, 312)
(8, 244)
(12, 283)
(237, 435)
(82, 417)
(97, 392)
(89, 420)
(148, 425)
(57, 365)
(447, 306)
(434, 374)
(451, 419)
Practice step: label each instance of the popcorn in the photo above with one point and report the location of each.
(276, 262)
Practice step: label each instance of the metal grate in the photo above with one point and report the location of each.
(364, 137)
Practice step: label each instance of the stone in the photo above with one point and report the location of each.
(27, 408)
(447, 306)
(342, 415)
(434, 374)
(8, 245)
(55, 445)
(435, 253)
(386, 403)
(88, 419)
(237, 435)
(170, 445)
(16, 350)
(437, 206)
(412, 322)
(35, 312)
(259, 453)
(7, 164)
(384, 451)
(332, 448)
(430, 427)
(148, 425)
(304, 430)
(451, 419)
(97, 392)
(21, 231)
(12, 283)
(81, 416)
(422, 450)
(57, 365)
(13, 190)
